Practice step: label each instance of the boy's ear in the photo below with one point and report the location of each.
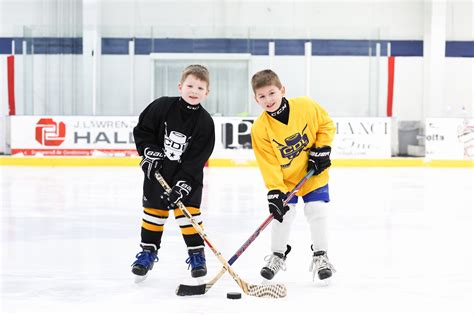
(179, 87)
(283, 90)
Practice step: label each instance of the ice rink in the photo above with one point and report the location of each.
(400, 239)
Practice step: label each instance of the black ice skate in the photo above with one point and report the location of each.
(145, 260)
(275, 262)
(197, 262)
(320, 265)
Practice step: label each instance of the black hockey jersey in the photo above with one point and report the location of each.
(186, 134)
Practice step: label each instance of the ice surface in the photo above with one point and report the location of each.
(400, 239)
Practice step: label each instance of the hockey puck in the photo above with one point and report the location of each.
(234, 295)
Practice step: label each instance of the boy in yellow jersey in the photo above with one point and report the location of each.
(291, 137)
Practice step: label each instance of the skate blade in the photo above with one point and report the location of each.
(139, 279)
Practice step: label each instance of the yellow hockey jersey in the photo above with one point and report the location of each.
(282, 150)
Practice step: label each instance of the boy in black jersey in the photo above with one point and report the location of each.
(174, 136)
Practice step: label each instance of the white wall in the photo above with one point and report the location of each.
(459, 88)
(56, 85)
(459, 20)
(3, 103)
(45, 17)
(408, 89)
(397, 19)
(283, 19)
(114, 84)
(341, 84)
(345, 85)
(349, 19)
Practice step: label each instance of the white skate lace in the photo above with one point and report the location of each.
(319, 263)
(275, 263)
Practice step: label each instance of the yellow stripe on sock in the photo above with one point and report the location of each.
(190, 230)
(152, 227)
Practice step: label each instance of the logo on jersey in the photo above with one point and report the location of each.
(293, 146)
(175, 144)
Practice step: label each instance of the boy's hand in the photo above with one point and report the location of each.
(179, 192)
(319, 159)
(152, 161)
(276, 205)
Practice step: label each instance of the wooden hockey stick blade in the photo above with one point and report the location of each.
(200, 289)
(271, 290)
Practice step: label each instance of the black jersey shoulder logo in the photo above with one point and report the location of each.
(293, 146)
(175, 144)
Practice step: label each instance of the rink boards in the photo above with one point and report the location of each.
(108, 140)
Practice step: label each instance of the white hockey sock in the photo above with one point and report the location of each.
(316, 215)
(281, 231)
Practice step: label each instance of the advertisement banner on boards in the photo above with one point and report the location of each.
(73, 135)
(449, 138)
(362, 137)
(113, 136)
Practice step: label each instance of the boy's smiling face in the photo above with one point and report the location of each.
(193, 90)
(269, 97)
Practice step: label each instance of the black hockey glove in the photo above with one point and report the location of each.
(319, 159)
(276, 205)
(152, 161)
(179, 192)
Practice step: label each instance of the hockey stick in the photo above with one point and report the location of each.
(184, 289)
(269, 290)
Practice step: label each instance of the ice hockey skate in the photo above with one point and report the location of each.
(145, 261)
(197, 262)
(275, 263)
(321, 266)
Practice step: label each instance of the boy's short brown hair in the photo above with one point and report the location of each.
(265, 78)
(199, 71)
